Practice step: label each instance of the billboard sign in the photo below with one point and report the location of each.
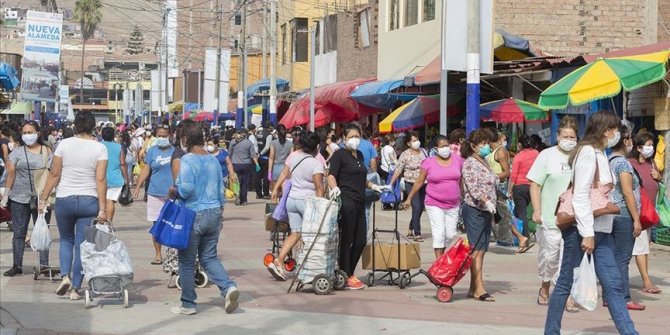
(41, 57)
(454, 55)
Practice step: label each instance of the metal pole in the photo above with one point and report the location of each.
(472, 90)
(312, 78)
(167, 66)
(443, 73)
(199, 90)
(244, 64)
(273, 47)
(264, 39)
(218, 64)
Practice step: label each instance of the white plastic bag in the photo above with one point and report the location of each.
(40, 239)
(584, 286)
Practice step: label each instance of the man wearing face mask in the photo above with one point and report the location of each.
(261, 180)
(243, 155)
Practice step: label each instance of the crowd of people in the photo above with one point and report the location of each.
(80, 171)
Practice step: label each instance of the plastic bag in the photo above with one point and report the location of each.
(584, 286)
(125, 199)
(40, 239)
(663, 206)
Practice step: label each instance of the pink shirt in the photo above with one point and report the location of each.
(444, 187)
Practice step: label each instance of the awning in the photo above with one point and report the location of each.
(8, 78)
(19, 108)
(645, 49)
(418, 112)
(264, 84)
(376, 93)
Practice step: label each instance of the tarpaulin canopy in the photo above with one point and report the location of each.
(22, 108)
(376, 93)
(512, 111)
(191, 106)
(264, 84)
(333, 103)
(8, 78)
(209, 117)
(418, 112)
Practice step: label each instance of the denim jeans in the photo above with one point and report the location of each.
(204, 238)
(607, 273)
(21, 214)
(73, 215)
(244, 173)
(624, 241)
(418, 202)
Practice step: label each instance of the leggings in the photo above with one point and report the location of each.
(521, 197)
(352, 233)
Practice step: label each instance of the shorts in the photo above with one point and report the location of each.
(113, 193)
(154, 206)
(276, 171)
(477, 227)
(296, 210)
(442, 224)
(642, 243)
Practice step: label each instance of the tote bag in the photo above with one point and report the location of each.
(173, 226)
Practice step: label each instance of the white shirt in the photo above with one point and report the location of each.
(389, 159)
(584, 168)
(80, 159)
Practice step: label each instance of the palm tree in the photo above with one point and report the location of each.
(87, 13)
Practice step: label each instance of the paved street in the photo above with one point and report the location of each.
(31, 307)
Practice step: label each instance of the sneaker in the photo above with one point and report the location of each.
(231, 299)
(354, 284)
(418, 238)
(183, 310)
(15, 270)
(74, 295)
(64, 286)
(635, 306)
(276, 272)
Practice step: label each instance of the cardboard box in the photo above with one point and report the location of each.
(386, 256)
(270, 224)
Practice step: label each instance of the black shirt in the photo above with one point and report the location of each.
(5, 142)
(350, 173)
(177, 153)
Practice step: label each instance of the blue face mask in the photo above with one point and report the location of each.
(485, 150)
(162, 142)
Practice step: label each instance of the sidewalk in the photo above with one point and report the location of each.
(31, 307)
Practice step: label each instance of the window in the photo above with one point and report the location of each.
(364, 28)
(238, 19)
(299, 43)
(283, 43)
(428, 10)
(411, 12)
(394, 14)
(330, 33)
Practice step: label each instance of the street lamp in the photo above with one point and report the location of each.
(116, 101)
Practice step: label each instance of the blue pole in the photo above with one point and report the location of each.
(472, 65)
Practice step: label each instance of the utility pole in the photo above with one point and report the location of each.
(264, 41)
(244, 63)
(218, 64)
(167, 66)
(472, 90)
(273, 79)
(312, 77)
(443, 72)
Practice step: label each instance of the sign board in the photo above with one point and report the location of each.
(456, 36)
(41, 56)
(63, 98)
(209, 89)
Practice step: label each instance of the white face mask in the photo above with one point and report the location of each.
(504, 144)
(353, 143)
(289, 139)
(567, 145)
(29, 139)
(415, 145)
(647, 151)
(444, 152)
(210, 148)
(613, 141)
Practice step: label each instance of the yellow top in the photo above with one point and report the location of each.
(495, 166)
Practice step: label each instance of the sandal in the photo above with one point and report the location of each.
(410, 234)
(526, 247)
(157, 261)
(570, 306)
(485, 298)
(652, 290)
(542, 300)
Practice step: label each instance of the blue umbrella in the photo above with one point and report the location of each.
(8, 78)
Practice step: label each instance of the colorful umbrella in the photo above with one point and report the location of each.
(604, 78)
(512, 111)
(416, 113)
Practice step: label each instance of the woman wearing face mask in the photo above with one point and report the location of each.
(280, 148)
(479, 198)
(642, 160)
(117, 173)
(550, 176)
(519, 188)
(348, 179)
(626, 195)
(222, 157)
(443, 193)
(592, 235)
(498, 159)
(23, 165)
(157, 163)
(409, 164)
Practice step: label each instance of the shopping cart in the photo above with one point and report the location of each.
(50, 271)
(278, 232)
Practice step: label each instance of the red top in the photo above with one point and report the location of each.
(522, 163)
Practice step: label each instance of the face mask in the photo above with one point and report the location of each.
(210, 148)
(415, 145)
(485, 150)
(353, 143)
(289, 139)
(504, 144)
(613, 141)
(444, 152)
(647, 151)
(29, 139)
(162, 142)
(567, 145)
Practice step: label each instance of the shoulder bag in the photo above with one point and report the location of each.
(33, 196)
(600, 203)
(41, 177)
(648, 215)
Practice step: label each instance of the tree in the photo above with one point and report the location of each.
(87, 13)
(136, 42)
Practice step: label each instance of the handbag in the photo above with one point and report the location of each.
(33, 197)
(600, 203)
(125, 199)
(41, 177)
(648, 215)
(173, 225)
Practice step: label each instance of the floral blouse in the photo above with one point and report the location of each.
(478, 181)
(410, 163)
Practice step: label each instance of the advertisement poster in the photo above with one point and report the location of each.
(41, 56)
(63, 98)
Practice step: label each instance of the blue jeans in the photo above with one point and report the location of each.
(21, 215)
(204, 238)
(73, 215)
(607, 272)
(624, 241)
(418, 203)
